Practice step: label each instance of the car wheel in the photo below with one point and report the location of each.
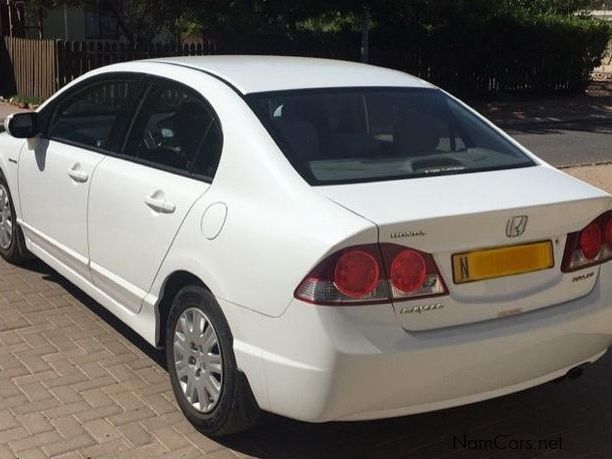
(12, 245)
(210, 390)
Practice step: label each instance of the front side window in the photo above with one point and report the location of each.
(176, 129)
(334, 136)
(96, 115)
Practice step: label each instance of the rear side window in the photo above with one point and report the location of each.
(334, 136)
(176, 130)
(96, 115)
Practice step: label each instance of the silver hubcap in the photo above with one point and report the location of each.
(6, 219)
(197, 360)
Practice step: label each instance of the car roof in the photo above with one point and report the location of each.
(253, 74)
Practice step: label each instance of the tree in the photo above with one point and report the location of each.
(138, 20)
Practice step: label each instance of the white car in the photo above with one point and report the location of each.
(323, 240)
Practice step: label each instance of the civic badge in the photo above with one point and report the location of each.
(516, 226)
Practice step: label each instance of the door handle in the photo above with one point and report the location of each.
(159, 204)
(78, 175)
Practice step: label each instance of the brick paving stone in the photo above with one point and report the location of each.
(121, 372)
(170, 438)
(66, 394)
(34, 440)
(128, 401)
(68, 426)
(32, 378)
(96, 398)
(205, 444)
(158, 422)
(34, 453)
(7, 420)
(35, 423)
(12, 401)
(66, 380)
(65, 410)
(72, 455)
(111, 448)
(104, 412)
(36, 407)
(187, 452)
(102, 430)
(74, 443)
(94, 383)
(63, 367)
(126, 417)
(93, 370)
(36, 392)
(222, 454)
(136, 434)
(13, 434)
(149, 451)
(126, 386)
(7, 375)
(160, 404)
(8, 390)
(6, 453)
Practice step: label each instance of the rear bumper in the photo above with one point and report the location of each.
(320, 363)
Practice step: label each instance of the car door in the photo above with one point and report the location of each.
(139, 199)
(79, 129)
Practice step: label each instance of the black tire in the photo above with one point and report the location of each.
(16, 251)
(236, 408)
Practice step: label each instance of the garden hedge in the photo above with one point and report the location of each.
(537, 55)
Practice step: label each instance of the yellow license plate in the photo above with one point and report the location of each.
(503, 261)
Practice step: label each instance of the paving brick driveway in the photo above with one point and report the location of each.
(74, 382)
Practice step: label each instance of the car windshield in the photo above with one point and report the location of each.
(334, 136)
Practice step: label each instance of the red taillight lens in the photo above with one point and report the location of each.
(350, 276)
(590, 241)
(411, 273)
(357, 275)
(589, 247)
(408, 271)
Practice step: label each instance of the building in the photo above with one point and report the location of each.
(71, 23)
(12, 17)
(63, 22)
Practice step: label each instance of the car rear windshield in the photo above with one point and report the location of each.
(334, 136)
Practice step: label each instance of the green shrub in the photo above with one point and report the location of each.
(539, 55)
(19, 99)
(518, 53)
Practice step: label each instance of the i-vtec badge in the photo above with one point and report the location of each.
(421, 309)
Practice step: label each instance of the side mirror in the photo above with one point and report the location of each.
(22, 125)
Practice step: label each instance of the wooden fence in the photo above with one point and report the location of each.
(28, 67)
(38, 68)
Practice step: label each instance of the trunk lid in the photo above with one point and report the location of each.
(447, 215)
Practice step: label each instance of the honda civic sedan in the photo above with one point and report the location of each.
(319, 239)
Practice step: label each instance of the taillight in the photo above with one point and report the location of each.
(354, 275)
(360, 275)
(589, 247)
(408, 271)
(411, 273)
(357, 273)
